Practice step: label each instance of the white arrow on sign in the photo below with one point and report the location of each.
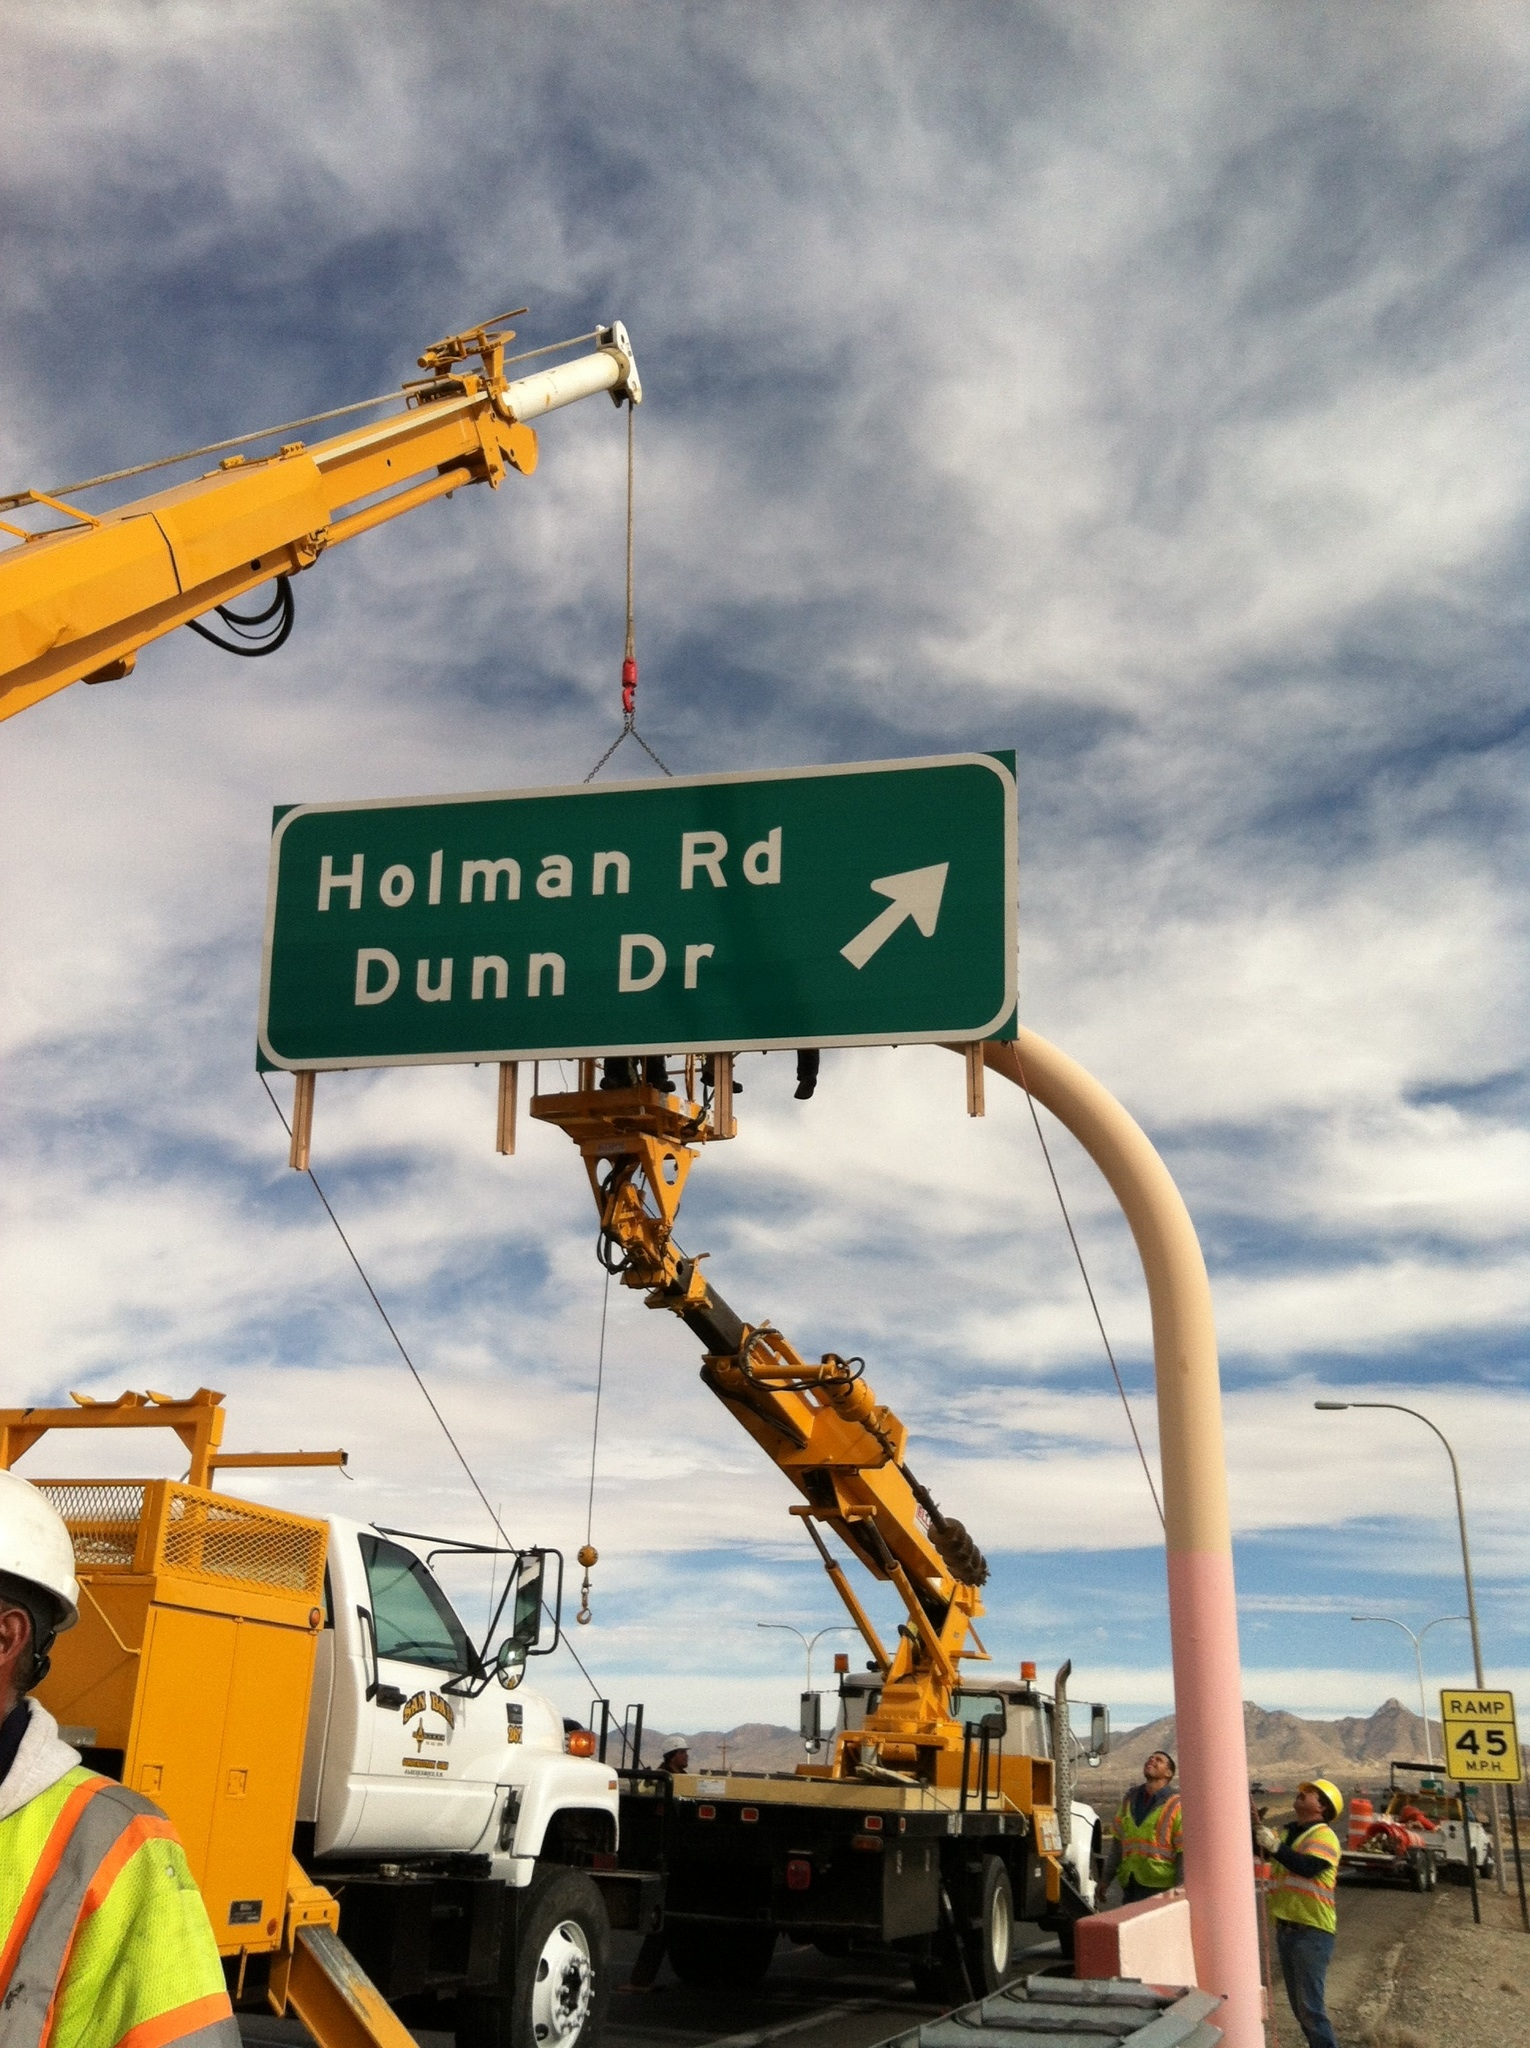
(916, 894)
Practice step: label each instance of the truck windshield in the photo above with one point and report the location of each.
(1028, 1732)
(413, 1618)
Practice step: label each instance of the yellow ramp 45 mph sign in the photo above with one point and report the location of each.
(1481, 1745)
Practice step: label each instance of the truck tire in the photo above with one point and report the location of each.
(714, 1955)
(991, 1943)
(562, 1976)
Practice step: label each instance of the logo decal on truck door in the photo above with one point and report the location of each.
(415, 1709)
(418, 1701)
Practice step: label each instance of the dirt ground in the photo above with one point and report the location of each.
(1413, 1971)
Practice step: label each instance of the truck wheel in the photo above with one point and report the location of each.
(990, 1943)
(719, 1955)
(562, 1979)
(1421, 1874)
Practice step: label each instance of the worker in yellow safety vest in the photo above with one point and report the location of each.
(1145, 1845)
(104, 1939)
(1306, 1860)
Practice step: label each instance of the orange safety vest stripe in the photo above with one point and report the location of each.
(143, 1827)
(176, 2025)
(44, 1873)
(1304, 1845)
(1321, 1890)
(1164, 1817)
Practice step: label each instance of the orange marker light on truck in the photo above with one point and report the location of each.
(581, 1742)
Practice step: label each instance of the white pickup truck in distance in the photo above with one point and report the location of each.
(1422, 1796)
(472, 1853)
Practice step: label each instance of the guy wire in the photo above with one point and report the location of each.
(413, 1369)
(600, 1380)
(1131, 1419)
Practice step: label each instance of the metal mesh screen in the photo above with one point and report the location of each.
(101, 1515)
(227, 1539)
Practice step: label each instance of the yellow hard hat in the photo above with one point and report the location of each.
(1329, 1791)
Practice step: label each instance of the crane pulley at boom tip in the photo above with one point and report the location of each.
(78, 600)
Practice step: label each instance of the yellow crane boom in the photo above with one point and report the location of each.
(820, 1423)
(78, 600)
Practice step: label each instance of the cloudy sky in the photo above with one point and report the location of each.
(1138, 388)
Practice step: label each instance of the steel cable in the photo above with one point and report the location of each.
(629, 659)
(1131, 1419)
(313, 419)
(413, 1369)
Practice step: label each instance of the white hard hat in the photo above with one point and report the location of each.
(35, 1544)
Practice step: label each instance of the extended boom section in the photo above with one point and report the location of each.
(819, 1422)
(78, 600)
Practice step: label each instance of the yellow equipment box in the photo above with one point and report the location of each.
(189, 1673)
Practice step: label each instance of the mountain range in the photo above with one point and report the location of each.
(1280, 1745)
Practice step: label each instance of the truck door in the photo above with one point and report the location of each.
(423, 1793)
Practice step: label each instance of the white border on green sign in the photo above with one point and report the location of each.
(492, 1057)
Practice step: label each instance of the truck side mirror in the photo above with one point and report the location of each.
(510, 1663)
(811, 1720)
(526, 1619)
(1099, 1734)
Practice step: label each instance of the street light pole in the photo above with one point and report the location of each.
(1471, 1593)
(841, 1628)
(1418, 1651)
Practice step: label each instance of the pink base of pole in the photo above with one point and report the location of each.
(1213, 1776)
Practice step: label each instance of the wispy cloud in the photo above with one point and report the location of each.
(1139, 390)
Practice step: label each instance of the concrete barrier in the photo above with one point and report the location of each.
(1150, 1941)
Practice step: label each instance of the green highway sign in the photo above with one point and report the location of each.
(859, 905)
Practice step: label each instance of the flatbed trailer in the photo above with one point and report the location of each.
(748, 1857)
(1393, 1853)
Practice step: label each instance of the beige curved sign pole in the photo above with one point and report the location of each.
(1203, 1618)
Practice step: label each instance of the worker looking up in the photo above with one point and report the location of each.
(104, 1938)
(1302, 1902)
(1144, 1849)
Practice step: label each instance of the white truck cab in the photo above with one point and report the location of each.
(473, 1855)
(414, 1746)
